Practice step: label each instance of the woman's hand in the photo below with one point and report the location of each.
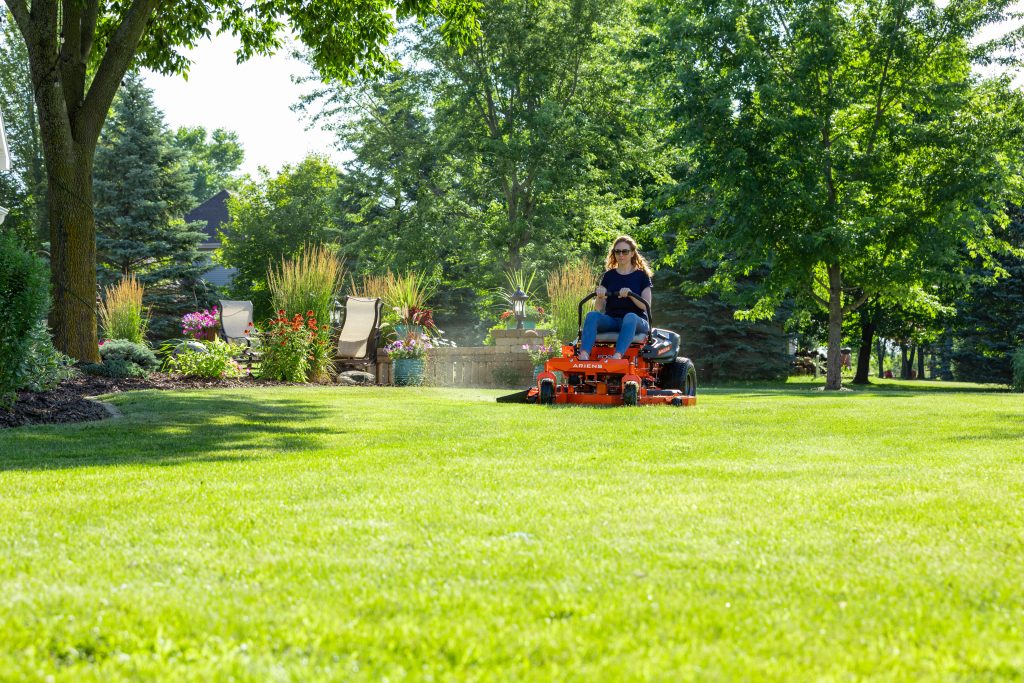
(624, 292)
(601, 292)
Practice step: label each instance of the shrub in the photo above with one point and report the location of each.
(217, 361)
(23, 301)
(45, 367)
(287, 347)
(310, 283)
(121, 313)
(566, 286)
(116, 368)
(122, 349)
(1018, 370)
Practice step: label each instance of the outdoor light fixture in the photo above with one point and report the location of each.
(336, 313)
(519, 307)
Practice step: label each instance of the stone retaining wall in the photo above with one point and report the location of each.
(504, 365)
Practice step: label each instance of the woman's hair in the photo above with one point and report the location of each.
(636, 260)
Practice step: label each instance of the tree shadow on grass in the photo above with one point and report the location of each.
(166, 429)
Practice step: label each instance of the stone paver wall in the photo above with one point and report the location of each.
(504, 365)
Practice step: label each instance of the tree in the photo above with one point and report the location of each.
(845, 145)
(212, 160)
(139, 225)
(989, 324)
(79, 51)
(520, 151)
(23, 189)
(275, 217)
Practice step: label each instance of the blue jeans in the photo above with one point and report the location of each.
(627, 327)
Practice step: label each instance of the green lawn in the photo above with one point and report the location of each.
(426, 534)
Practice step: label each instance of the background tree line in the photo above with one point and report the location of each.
(837, 171)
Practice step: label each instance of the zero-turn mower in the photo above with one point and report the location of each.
(650, 373)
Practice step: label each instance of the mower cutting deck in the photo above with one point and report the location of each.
(650, 373)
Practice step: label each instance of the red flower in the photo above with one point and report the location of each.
(281, 312)
(309, 313)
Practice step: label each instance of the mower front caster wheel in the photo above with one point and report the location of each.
(547, 392)
(631, 394)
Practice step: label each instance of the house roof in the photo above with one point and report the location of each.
(213, 213)
(5, 157)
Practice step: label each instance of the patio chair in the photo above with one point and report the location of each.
(357, 341)
(235, 317)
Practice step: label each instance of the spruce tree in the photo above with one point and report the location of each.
(141, 192)
(989, 325)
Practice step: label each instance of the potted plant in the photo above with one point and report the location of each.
(539, 355)
(533, 316)
(200, 325)
(408, 357)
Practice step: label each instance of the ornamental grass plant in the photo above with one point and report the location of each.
(122, 315)
(309, 281)
(404, 296)
(566, 286)
(307, 286)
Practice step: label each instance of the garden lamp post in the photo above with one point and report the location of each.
(336, 314)
(519, 307)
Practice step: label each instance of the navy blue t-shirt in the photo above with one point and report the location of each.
(637, 282)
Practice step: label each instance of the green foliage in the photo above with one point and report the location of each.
(211, 160)
(520, 151)
(287, 347)
(23, 302)
(122, 314)
(132, 352)
(23, 188)
(989, 322)
(216, 362)
(825, 140)
(566, 287)
(139, 226)
(1018, 370)
(273, 219)
(115, 368)
(45, 367)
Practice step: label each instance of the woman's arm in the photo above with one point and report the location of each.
(645, 295)
(600, 299)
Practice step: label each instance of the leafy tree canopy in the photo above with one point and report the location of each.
(846, 145)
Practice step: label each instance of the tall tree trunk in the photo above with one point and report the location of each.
(904, 369)
(867, 335)
(73, 255)
(880, 352)
(910, 361)
(920, 362)
(833, 369)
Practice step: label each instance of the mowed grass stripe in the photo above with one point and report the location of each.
(320, 533)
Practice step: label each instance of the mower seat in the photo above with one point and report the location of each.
(613, 337)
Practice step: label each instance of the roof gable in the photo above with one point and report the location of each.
(213, 213)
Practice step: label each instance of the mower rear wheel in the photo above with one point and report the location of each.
(547, 392)
(679, 374)
(631, 394)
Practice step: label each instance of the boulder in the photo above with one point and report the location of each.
(355, 378)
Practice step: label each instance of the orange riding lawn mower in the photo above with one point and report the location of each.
(650, 373)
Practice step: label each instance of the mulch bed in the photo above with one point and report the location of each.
(68, 403)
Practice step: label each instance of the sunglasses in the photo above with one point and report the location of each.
(621, 251)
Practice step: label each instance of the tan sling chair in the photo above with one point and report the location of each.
(357, 341)
(235, 317)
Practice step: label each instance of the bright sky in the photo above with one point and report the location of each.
(252, 98)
